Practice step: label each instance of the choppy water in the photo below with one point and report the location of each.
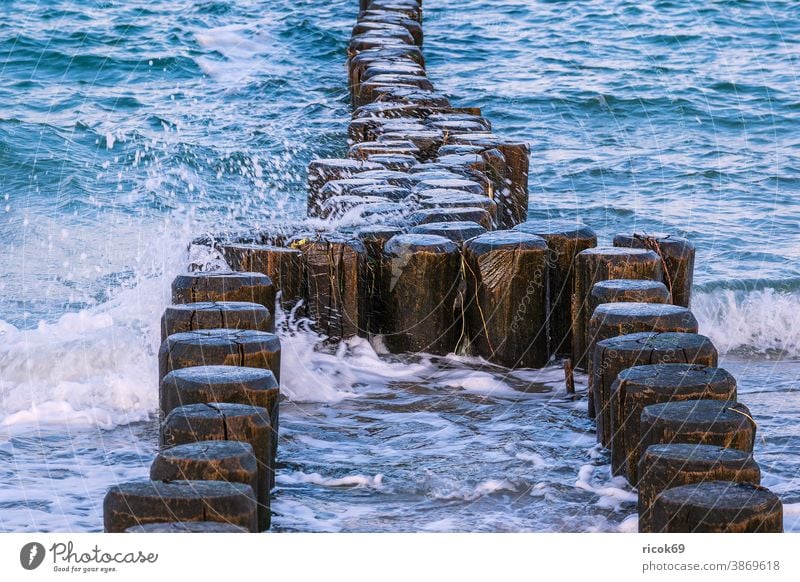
(126, 128)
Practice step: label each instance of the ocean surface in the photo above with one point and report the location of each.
(128, 128)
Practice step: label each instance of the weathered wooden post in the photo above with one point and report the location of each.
(628, 291)
(418, 320)
(185, 317)
(224, 286)
(223, 347)
(677, 256)
(234, 384)
(374, 238)
(144, 502)
(600, 264)
(565, 240)
(228, 461)
(642, 386)
(462, 214)
(718, 507)
(613, 355)
(284, 267)
(665, 466)
(336, 269)
(458, 232)
(708, 422)
(513, 205)
(320, 172)
(187, 527)
(506, 298)
(459, 201)
(227, 422)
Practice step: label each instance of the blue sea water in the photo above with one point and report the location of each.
(128, 128)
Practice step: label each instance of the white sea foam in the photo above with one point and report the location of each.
(761, 320)
(475, 381)
(473, 492)
(295, 477)
(611, 492)
(96, 367)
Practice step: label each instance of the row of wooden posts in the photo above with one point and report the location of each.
(441, 259)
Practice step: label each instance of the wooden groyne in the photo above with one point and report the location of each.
(434, 253)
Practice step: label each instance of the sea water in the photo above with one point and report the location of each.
(129, 128)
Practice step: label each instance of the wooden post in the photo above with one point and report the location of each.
(677, 256)
(666, 466)
(284, 267)
(421, 321)
(708, 422)
(565, 239)
(641, 386)
(506, 306)
(336, 271)
(600, 264)
(223, 347)
(228, 461)
(214, 315)
(142, 502)
(718, 507)
(613, 355)
(223, 422)
(224, 286)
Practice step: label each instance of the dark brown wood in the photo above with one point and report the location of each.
(337, 207)
(465, 214)
(460, 201)
(224, 286)
(229, 461)
(600, 264)
(718, 507)
(187, 527)
(614, 319)
(628, 291)
(677, 255)
(457, 232)
(708, 422)
(641, 386)
(235, 384)
(565, 239)
(395, 162)
(284, 266)
(385, 18)
(456, 183)
(223, 347)
(369, 26)
(185, 317)
(613, 355)
(428, 142)
(336, 269)
(322, 171)
(143, 502)
(358, 63)
(417, 320)
(223, 422)
(569, 376)
(666, 466)
(513, 202)
(506, 299)
(374, 238)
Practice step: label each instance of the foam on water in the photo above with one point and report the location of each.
(760, 321)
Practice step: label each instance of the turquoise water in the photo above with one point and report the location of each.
(126, 129)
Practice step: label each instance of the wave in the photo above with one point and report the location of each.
(755, 321)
